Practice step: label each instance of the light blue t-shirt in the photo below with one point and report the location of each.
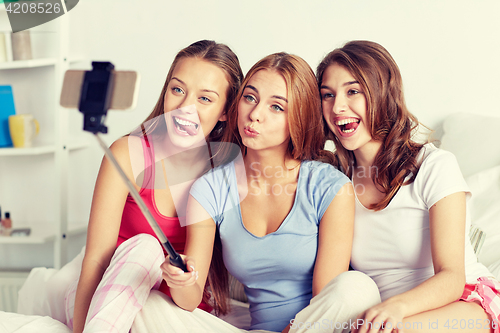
(277, 269)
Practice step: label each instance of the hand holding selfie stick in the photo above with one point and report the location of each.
(97, 95)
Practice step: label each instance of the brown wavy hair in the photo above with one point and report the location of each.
(305, 121)
(217, 54)
(388, 118)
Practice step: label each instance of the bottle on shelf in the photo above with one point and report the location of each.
(6, 225)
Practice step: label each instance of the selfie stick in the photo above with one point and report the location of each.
(94, 104)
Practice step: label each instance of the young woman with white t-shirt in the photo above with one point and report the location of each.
(411, 216)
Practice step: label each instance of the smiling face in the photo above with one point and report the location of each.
(194, 101)
(345, 108)
(263, 112)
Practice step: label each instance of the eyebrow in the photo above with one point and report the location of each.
(274, 96)
(348, 83)
(205, 90)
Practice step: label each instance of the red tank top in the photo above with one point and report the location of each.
(134, 223)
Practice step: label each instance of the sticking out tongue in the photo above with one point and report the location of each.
(349, 126)
(191, 130)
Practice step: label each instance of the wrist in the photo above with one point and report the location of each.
(399, 303)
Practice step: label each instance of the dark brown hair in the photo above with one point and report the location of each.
(307, 138)
(219, 55)
(388, 118)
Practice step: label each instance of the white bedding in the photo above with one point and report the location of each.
(18, 323)
(21, 323)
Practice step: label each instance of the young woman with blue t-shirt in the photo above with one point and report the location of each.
(285, 219)
(410, 222)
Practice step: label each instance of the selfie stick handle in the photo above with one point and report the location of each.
(174, 257)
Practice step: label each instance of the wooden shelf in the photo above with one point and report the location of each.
(34, 63)
(76, 59)
(42, 233)
(41, 149)
(36, 150)
(56, 147)
(19, 64)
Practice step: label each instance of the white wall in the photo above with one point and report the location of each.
(448, 50)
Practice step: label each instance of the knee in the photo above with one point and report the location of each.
(147, 242)
(353, 289)
(143, 246)
(359, 282)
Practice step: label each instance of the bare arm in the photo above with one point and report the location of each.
(187, 288)
(447, 233)
(108, 201)
(335, 239)
(335, 235)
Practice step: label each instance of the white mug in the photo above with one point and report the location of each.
(23, 129)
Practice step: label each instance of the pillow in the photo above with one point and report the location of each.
(485, 211)
(474, 140)
(495, 269)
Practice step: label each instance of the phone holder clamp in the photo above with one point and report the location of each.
(95, 96)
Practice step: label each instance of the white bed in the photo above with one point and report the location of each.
(477, 153)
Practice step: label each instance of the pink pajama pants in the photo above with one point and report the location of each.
(133, 272)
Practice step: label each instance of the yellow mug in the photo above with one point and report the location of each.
(23, 129)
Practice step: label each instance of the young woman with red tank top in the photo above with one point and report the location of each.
(121, 263)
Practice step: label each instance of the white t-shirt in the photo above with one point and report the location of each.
(392, 245)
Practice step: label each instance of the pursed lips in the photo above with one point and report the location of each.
(250, 132)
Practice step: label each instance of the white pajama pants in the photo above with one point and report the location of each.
(334, 309)
(133, 272)
(124, 299)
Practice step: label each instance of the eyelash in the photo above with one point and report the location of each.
(176, 90)
(327, 95)
(277, 108)
(249, 98)
(349, 92)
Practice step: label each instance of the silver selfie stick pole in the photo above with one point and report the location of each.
(174, 257)
(94, 100)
